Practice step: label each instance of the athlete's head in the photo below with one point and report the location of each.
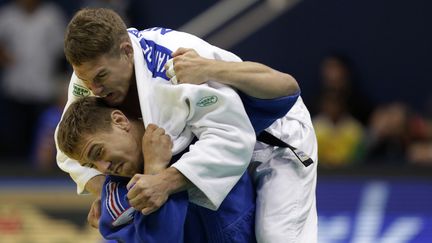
(98, 47)
(101, 137)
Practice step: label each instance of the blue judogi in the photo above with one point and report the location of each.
(178, 220)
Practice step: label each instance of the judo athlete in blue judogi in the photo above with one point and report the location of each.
(177, 220)
(98, 129)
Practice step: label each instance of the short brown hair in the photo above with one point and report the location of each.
(93, 32)
(84, 117)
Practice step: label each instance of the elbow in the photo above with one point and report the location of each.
(291, 86)
(249, 145)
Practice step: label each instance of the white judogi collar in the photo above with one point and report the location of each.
(151, 108)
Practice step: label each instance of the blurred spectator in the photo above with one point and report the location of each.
(119, 6)
(337, 75)
(420, 148)
(420, 153)
(388, 135)
(31, 41)
(340, 136)
(44, 149)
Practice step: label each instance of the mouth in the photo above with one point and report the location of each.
(109, 96)
(118, 169)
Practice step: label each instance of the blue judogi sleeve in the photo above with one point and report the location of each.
(122, 223)
(263, 112)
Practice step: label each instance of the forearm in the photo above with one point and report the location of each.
(252, 78)
(174, 180)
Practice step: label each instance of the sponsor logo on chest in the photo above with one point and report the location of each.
(208, 100)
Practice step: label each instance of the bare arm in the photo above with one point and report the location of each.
(252, 78)
(94, 185)
(149, 191)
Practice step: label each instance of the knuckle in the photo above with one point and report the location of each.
(136, 176)
(152, 126)
(133, 204)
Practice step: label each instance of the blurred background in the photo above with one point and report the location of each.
(363, 67)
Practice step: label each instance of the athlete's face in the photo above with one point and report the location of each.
(115, 152)
(108, 76)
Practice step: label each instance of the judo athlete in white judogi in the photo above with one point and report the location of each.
(286, 210)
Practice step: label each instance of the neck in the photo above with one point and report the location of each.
(138, 128)
(131, 104)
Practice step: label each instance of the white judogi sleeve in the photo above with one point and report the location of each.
(80, 174)
(215, 115)
(224, 148)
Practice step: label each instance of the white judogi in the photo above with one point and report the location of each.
(286, 205)
(219, 158)
(286, 210)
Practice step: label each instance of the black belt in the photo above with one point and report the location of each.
(269, 139)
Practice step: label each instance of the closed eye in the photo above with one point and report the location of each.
(98, 154)
(101, 75)
(98, 79)
(89, 165)
(95, 153)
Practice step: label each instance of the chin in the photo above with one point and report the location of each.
(115, 100)
(127, 174)
(119, 99)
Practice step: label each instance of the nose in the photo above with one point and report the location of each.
(103, 166)
(97, 89)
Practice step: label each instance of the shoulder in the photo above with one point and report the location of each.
(170, 38)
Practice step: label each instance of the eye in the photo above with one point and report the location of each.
(95, 154)
(98, 154)
(89, 165)
(100, 77)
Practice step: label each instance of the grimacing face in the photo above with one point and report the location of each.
(116, 152)
(108, 76)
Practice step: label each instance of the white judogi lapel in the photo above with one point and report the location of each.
(214, 114)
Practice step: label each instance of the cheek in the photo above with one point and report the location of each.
(128, 71)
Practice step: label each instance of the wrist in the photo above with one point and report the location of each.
(214, 70)
(154, 168)
(175, 180)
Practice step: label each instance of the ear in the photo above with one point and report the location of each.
(127, 49)
(120, 120)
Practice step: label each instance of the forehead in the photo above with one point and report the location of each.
(90, 141)
(87, 70)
